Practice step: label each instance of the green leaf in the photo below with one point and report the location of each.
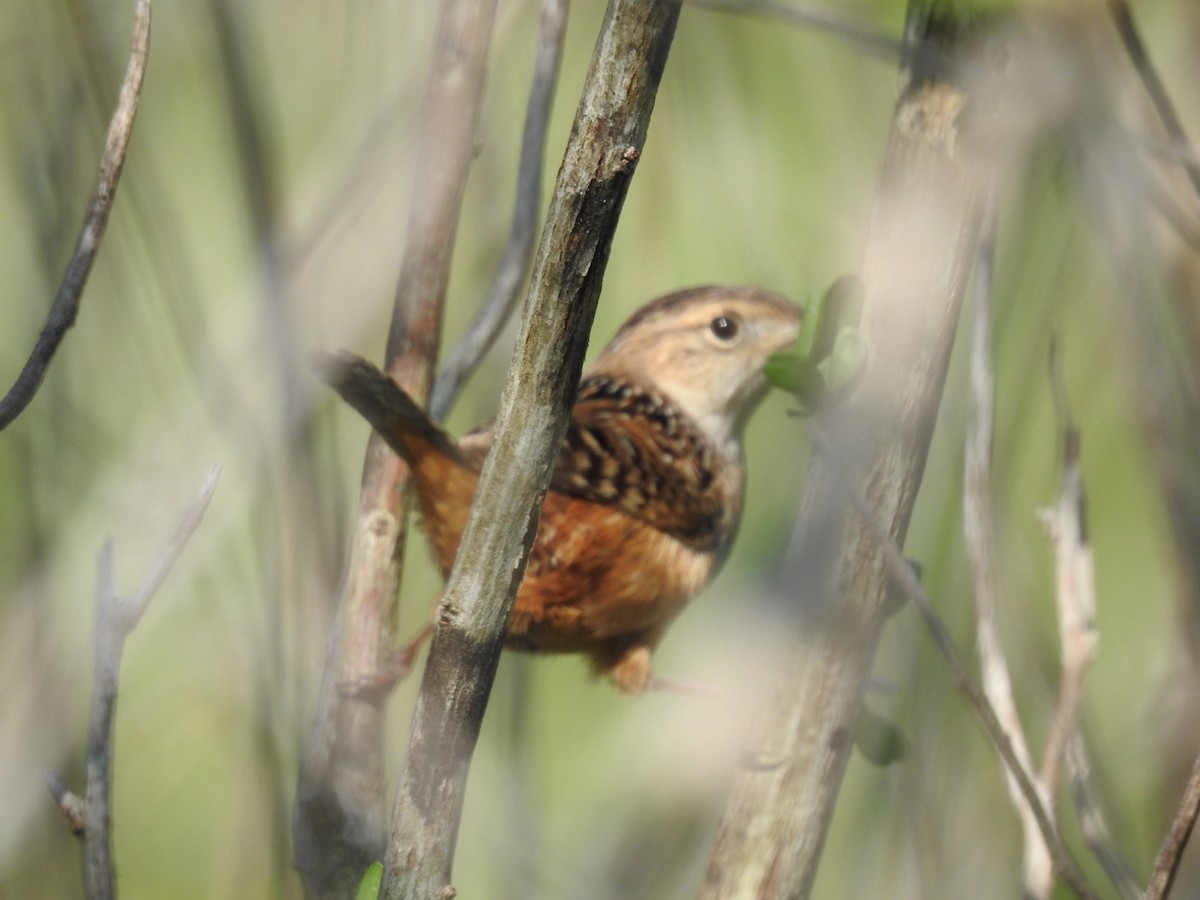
(372, 880)
(846, 360)
(836, 311)
(808, 325)
(796, 373)
(829, 354)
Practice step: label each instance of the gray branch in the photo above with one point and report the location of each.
(1166, 864)
(116, 617)
(606, 142)
(502, 297)
(921, 245)
(66, 303)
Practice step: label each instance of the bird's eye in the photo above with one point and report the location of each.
(724, 327)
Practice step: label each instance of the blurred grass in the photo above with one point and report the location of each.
(759, 168)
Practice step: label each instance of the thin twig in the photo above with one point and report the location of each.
(822, 18)
(69, 804)
(66, 303)
(1074, 588)
(606, 141)
(1066, 526)
(116, 618)
(1131, 38)
(902, 573)
(505, 289)
(978, 528)
(1166, 864)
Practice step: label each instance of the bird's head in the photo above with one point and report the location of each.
(705, 348)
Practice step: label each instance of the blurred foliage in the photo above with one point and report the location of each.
(759, 168)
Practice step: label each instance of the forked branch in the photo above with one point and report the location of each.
(116, 617)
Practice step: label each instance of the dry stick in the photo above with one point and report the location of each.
(606, 142)
(980, 542)
(502, 297)
(1075, 590)
(1075, 594)
(115, 620)
(1075, 599)
(1123, 18)
(920, 249)
(66, 302)
(960, 677)
(496, 309)
(1166, 864)
(340, 820)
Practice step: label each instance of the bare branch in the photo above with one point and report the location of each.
(69, 804)
(502, 296)
(339, 820)
(920, 248)
(66, 302)
(606, 142)
(1123, 18)
(91, 819)
(1074, 590)
(978, 518)
(1166, 864)
(960, 677)
(135, 605)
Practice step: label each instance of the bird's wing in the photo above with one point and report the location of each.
(631, 449)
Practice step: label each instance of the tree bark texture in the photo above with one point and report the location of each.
(920, 247)
(605, 144)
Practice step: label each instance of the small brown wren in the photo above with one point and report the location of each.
(646, 493)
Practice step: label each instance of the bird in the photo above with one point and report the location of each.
(646, 492)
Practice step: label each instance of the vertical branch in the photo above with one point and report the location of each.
(920, 248)
(606, 142)
(506, 286)
(66, 302)
(115, 620)
(1166, 864)
(1075, 592)
(339, 819)
(978, 518)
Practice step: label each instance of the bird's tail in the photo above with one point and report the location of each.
(391, 411)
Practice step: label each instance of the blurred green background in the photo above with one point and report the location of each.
(759, 168)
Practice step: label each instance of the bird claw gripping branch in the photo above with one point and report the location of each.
(646, 492)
